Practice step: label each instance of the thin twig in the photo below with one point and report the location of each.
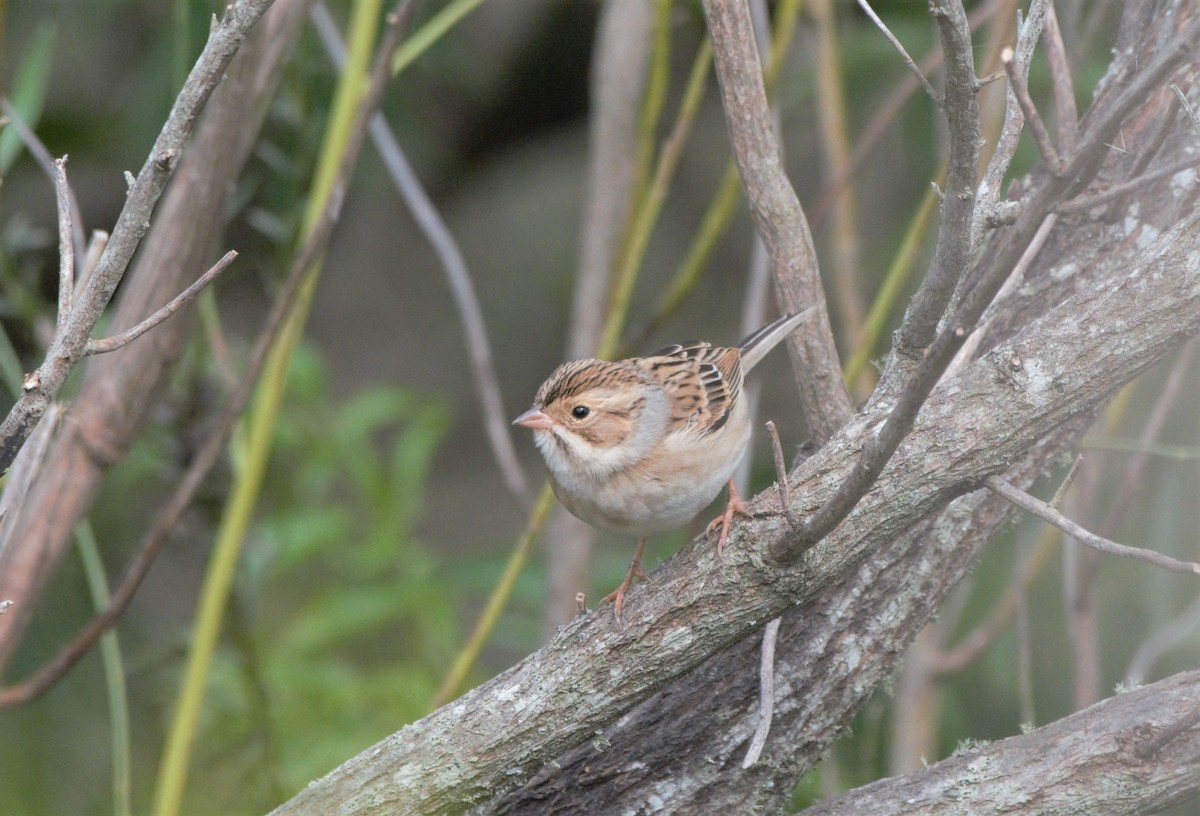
(994, 270)
(1084, 203)
(66, 244)
(766, 693)
(778, 216)
(781, 475)
(1014, 280)
(1065, 113)
(103, 346)
(1014, 122)
(91, 256)
(1168, 734)
(1067, 481)
(1037, 128)
(1047, 513)
(1187, 107)
(908, 61)
(957, 210)
(470, 313)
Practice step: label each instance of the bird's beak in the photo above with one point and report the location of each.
(534, 418)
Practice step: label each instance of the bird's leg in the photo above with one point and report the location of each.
(617, 596)
(734, 505)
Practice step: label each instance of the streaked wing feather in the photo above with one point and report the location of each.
(702, 382)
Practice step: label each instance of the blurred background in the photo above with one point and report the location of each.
(384, 522)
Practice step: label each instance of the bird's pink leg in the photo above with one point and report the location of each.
(734, 505)
(617, 596)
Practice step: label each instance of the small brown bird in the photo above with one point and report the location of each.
(643, 445)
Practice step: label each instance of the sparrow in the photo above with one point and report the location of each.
(642, 445)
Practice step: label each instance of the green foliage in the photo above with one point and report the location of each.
(345, 619)
(28, 92)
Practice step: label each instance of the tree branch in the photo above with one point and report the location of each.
(495, 736)
(958, 202)
(778, 217)
(69, 344)
(97, 346)
(1048, 514)
(118, 391)
(1084, 763)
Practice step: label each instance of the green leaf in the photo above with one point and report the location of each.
(28, 91)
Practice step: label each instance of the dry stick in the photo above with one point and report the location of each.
(957, 210)
(47, 162)
(1187, 107)
(878, 449)
(66, 248)
(972, 645)
(1084, 203)
(1065, 112)
(1171, 732)
(1037, 127)
(766, 663)
(176, 303)
(171, 513)
(778, 216)
(1014, 121)
(453, 265)
(766, 693)
(69, 343)
(908, 61)
(1047, 513)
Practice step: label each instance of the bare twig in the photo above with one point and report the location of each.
(430, 222)
(995, 268)
(1047, 513)
(957, 209)
(69, 344)
(176, 303)
(66, 244)
(1037, 128)
(766, 693)
(1171, 732)
(1187, 107)
(778, 217)
(908, 61)
(1066, 114)
(781, 475)
(1014, 120)
(1083, 203)
(971, 346)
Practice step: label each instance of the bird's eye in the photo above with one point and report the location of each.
(580, 411)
